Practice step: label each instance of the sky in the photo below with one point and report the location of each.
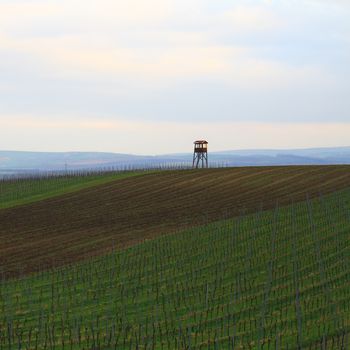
(150, 77)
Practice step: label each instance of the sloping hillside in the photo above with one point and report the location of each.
(271, 280)
(118, 214)
(19, 191)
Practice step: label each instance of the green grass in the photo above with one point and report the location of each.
(277, 279)
(24, 191)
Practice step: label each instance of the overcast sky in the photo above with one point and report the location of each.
(150, 77)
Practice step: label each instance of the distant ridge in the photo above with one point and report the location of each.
(18, 161)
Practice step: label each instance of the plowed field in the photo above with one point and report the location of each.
(121, 213)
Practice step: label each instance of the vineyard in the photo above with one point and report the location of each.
(275, 279)
(248, 258)
(19, 191)
(124, 210)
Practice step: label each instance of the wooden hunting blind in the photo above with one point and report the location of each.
(200, 154)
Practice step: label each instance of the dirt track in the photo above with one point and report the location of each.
(90, 222)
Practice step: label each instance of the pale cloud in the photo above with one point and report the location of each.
(153, 138)
(75, 56)
(146, 64)
(175, 62)
(253, 18)
(41, 123)
(26, 11)
(78, 57)
(84, 13)
(121, 46)
(341, 3)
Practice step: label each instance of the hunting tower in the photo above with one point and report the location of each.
(200, 154)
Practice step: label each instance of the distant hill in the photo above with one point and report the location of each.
(17, 161)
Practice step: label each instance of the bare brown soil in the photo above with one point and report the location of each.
(90, 222)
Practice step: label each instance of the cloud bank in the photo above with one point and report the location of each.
(167, 62)
(121, 135)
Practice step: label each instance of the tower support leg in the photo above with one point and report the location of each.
(200, 158)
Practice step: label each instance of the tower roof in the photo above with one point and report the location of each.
(201, 142)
